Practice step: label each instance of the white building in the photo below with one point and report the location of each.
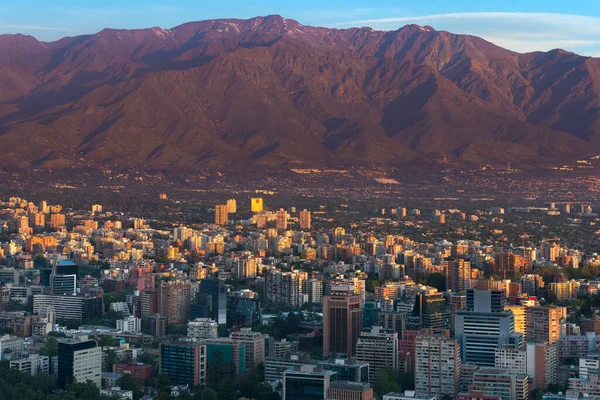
(130, 324)
(378, 347)
(203, 328)
(437, 369)
(32, 365)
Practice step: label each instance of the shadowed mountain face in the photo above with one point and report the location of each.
(269, 91)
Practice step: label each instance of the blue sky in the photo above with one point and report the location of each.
(521, 25)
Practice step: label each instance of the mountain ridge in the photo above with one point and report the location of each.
(269, 91)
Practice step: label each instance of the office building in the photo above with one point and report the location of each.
(224, 350)
(211, 301)
(276, 366)
(437, 369)
(306, 382)
(254, 344)
(173, 301)
(484, 326)
(79, 360)
(32, 365)
(71, 307)
(379, 348)
(305, 222)
(203, 328)
(512, 358)
(63, 284)
(183, 363)
(347, 369)
(243, 307)
(430, 309)
(342, 320)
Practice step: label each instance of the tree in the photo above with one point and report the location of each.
(50, 349)
(385, 382)
(126, 382)
(209, 394)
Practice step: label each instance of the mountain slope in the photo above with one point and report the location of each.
(270, 91)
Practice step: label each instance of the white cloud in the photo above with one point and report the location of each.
(517, 31)
(33, 28)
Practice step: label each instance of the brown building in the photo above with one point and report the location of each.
(173, 301)
(542, 324)
(342, 320)
(221, 214)
(458, 273)
(305, 222)
(591, 324)
(57, 221)
(345, 390)
(139, 372)
(507, 264)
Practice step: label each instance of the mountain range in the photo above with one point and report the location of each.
(269, 91)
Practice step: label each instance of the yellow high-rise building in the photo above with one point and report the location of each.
(231, 206)
(221, 214)
(256, 204)
(520, 313)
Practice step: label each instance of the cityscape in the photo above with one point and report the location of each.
(284, 200)
(282, 303)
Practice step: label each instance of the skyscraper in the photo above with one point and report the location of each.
(211, 301)
(430, 308)
(305, 222)
(79, 360)
(221, 214)
(254, 343)
(437, 369)
(342, 320)
(483, 326)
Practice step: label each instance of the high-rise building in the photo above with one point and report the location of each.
(281, 221)
(211, 301)
(313, 288)
(506, 264)
(254, 343)
(182, 233)
(285, 287)
(256, 204)
(543, 324)
(378, 347)
(96, 208)
(342, 320)
(243, 307)
(305, 222)
(183, 363)
(231, 206)
(57, 221)
(484, 326)
(458, 274)
(531, 284)
(221, 214)
(79, 360)
(63, 284)
(173, 301)
(430, 308)
(520, 315)
(512, 358)
(437, 369)
(542, 364)
(73, 308)
(306, 382)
